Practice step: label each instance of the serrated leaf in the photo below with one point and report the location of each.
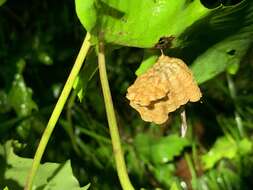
(138, 23)
(225, 148)
(49, 175)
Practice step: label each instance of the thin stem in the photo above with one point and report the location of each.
(57, 111)
(94, 135)
(69, 128)
(232, 92)
(192, 170)
(117, 150)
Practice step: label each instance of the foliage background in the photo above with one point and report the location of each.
(38, 44)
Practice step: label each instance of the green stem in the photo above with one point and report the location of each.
(232, 92)
(94, 135)
(117, 150)
(57, 111)
(69, 127)
(192, 170)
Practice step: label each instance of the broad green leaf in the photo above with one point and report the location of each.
(160, 150)
(6, 188)
(229, 52)
(87, 13)
(165, 149)
(142, 143)
(139, 23)
(2, 2)
(229, 33)
(49, 175)
(225, 148)
(217, 58)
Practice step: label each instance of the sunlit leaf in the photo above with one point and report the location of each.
(138, 23)
(225, 148)
(174, 186)
(49, 175)
(149, 59)
(2, 2)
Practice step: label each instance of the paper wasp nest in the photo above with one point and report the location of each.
(165, 87)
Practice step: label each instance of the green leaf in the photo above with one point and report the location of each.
(138, 23)
(86, 11)
(4, 104)
(164, 173)
(2, 2)
(245, 146)
(147, 62)
(225, 148)
(49, 175)
(174, 186)
(142, 143)
(229, 52)
(217, 58)
(160, 150)
(84, 77)
(20, 97)
(165, 149)
(45, 58)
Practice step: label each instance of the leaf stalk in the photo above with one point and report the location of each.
(57, 111)
(113, 127)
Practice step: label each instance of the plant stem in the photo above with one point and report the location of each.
(232, 92)
(57, 111)
(192, 170)
(94, 135)
(114, 132)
